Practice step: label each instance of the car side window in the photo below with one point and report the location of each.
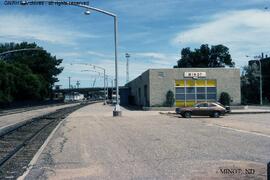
(202, 105)
(205, 105)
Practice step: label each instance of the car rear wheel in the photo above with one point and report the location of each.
(187, 114)
(216, 114)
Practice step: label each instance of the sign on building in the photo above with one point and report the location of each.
(194, 74)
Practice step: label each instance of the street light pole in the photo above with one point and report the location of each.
(20, 50)
(117, 110)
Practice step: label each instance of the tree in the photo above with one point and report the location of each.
(204, 57)
(169, 99)
(250, 85)
(225, 99)
(40, 62)
(27, 75)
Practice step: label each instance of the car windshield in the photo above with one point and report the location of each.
(218, 103)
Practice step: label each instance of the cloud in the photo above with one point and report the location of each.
(245, 32)
(138, 63)
(22, 27)
(158, 59)
(98, 54)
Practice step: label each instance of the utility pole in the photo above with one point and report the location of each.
(127, 67)
(261, 98)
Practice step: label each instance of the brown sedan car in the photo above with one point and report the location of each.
(202, 109)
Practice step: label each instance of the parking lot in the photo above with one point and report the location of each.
(258, 124)
(92, 144)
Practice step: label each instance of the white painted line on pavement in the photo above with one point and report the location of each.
(243, 131)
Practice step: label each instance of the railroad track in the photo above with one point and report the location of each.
(21, 110)
(19, 145)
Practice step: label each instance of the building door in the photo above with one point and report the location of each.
(189, 91)
(145, 95)
(139, 98)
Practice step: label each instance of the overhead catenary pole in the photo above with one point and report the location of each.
(127, 67)
(78, 84)
(104, 78)
(69, 82)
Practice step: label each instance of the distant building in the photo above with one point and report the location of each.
(190, 86)
(75, 96)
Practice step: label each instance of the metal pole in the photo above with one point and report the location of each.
(127, 70)
(117, 110)
(261, 103)
(104, 86)
(19, 50)
(127, 67)
(107, 87)
(69, 82)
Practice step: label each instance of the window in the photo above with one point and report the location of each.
(212, 105)
(188, 92)
(180, 96)
(201, 90)
(190, 96)
(211, 89)
(202, 105)
(179, 90)
(161, 74)
(211, 96)
(201, 96)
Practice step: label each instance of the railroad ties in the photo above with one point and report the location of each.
(19, 145)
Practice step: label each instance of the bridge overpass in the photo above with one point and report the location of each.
(92, 91)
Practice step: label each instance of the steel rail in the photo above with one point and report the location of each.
(56, 115)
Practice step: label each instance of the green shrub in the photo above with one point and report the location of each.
(225, 99)
(169, 99)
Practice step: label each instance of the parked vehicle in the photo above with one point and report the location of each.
(202, 109)
(228, 108)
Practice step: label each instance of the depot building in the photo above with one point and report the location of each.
(189, 85)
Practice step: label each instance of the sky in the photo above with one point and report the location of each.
(153, 32)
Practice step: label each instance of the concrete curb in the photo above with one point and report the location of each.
(39, 152)
(250, 112)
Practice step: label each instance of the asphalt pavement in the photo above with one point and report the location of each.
(91, 144)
